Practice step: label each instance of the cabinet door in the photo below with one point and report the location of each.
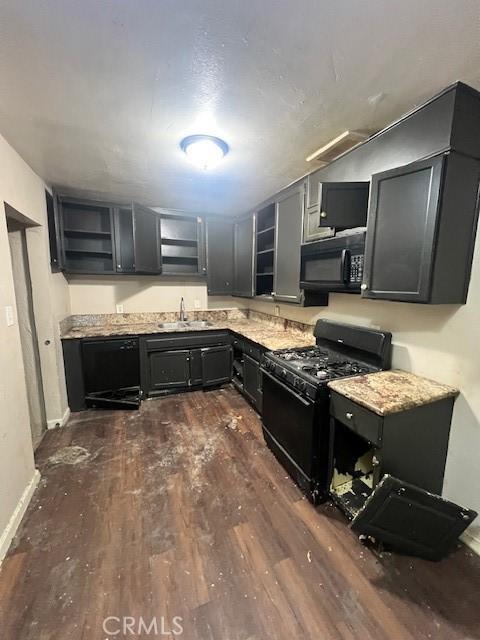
(288, 237)
(401, 231)
(243, 258)
(54, 232)
(168, 369)
(146, 241)
(252, 382)
(219, 257)
(124, 249)
(216, 365)
(343, 204)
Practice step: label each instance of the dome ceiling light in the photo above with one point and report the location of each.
(205, 152)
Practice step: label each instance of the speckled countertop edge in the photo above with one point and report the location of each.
(270, 332)
(387, 392)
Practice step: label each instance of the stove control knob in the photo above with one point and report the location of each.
(283, 373)
(302, 385)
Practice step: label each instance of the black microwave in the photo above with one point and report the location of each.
(334, 264)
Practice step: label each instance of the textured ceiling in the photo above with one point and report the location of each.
(96, 94)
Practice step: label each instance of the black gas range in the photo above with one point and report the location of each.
(296, 398)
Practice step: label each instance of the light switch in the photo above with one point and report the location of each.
(119, 308)
(9, 315)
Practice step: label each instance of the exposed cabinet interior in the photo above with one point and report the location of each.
(181, 245)
(88, 237)
(265, 250)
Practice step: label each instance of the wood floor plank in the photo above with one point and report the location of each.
(179, 509)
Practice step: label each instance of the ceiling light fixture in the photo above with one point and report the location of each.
(204, 152)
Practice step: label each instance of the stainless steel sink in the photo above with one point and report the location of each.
(187, 324)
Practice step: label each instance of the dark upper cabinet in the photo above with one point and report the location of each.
(137, 240)
(216, 365)
(146, 240)
(219, 254)
(421, 231)
(183, 245)
(243, 257)
(54, 232)
(339, 205)
(288, 239)
(124, 246)
(87, 236)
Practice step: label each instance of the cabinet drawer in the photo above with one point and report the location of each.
(253, 352)
(360, 420)
(186, 340)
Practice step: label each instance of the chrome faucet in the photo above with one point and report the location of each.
(183, 315)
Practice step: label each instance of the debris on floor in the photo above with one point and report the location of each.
(69, 455)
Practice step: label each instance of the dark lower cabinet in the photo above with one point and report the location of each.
(168, 370)
(421, 231)
(252, 381)
(181, 361)
(216, 365)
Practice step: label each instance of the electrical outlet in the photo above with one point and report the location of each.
(119, 308)
(196, 304)
(9, 316)
(277, 310)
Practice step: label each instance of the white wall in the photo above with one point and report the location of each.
(142, 294)
(439, 342)
(25, 191)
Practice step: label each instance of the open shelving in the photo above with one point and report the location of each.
(88, 237)
(265, 250)
(180, 244)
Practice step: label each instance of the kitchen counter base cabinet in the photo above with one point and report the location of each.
(216, 365)
(252, 382)
(421, 231)
(168, 370)
(183, 361)
(386, 474)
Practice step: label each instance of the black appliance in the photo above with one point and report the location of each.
(111, 370)
(296, 398)
(334, 264)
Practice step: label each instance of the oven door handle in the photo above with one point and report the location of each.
(306, 403)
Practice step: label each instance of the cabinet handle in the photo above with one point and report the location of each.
(349, 415)
(375, 461)
(364, 286)
(323, 214)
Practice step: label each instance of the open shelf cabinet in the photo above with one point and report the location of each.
(265, 250)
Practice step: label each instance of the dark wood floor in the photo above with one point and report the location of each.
(180, 510)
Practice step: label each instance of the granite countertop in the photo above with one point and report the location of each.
(268, 331)
(387, 392)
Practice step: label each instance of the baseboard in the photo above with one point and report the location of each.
(471, 541)
(59, 422)
(11, 528)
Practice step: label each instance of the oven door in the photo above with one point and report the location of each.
(326, 270)
(289, 420)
